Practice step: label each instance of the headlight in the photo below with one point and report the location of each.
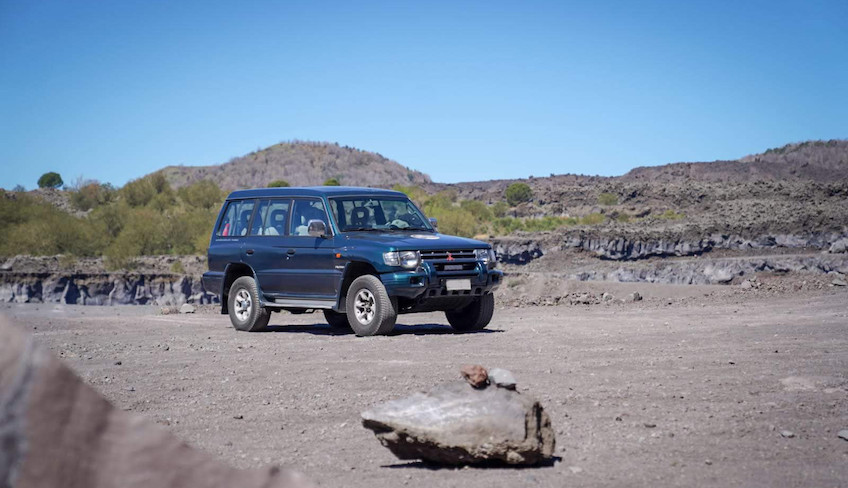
(407, 259)
(487, 256)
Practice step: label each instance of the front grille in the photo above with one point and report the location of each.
(448, 255)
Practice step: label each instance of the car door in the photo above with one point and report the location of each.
(264, 248)
(309, 270)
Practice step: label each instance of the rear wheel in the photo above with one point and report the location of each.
(337, 320)
(474, 316)
(370, 310)
(246, 312)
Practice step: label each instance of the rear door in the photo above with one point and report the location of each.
(264, 247)
(309, 270)
(228, 241)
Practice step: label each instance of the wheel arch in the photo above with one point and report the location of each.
(233, 272)
(352, 271)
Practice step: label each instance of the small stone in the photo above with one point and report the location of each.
(575, 469)
(746, 285)
(708, 462)
(502, 378)
(839, 282)
(238, 417)
(118, 363)
(475, 375)
(843, 434)
(787, 433)
(187, 308)
(650, 425)
(634, 297)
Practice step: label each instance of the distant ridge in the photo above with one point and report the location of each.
(301, 164)
(820, 161)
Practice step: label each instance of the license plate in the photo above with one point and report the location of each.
(458, 285)
(453, 267)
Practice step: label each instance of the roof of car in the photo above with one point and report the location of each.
(311, 191)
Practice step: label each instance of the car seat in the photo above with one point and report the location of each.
(359, 217)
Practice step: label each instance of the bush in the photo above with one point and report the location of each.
(671, 215)
(203, 194)
(499, 209)
(518, 193)
(608, 199)
(332, 182)
(91, 194)
(50, 180)
(279, 184)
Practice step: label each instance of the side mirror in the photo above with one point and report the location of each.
(434, 222)
(317, 228)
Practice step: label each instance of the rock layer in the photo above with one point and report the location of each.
(456, 424)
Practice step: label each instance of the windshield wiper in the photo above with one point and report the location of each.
(358, 229)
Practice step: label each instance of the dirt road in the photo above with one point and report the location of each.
(706, 391)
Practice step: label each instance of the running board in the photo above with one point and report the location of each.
(301, 303)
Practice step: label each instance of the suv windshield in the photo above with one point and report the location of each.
(364, 213)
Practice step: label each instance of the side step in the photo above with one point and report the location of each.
(301, 303)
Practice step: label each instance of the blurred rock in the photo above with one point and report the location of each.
(57, 431)
(187, 308)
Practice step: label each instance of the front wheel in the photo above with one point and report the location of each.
(246, 312)
(370, 311)
(474, 316)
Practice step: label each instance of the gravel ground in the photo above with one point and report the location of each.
(726, 389)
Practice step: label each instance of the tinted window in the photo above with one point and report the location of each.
(236, 218)
(275, 218)
(304, 211)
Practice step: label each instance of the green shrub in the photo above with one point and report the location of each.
(592, 219)
(477, 208)
(608, 199)
(518, 193)
(499, 209)
(50, 180)
(278, 184)
(332, 182)
(203, 194)
(91, 194)
(671, 215)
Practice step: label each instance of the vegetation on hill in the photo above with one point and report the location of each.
(300, 164)
(50, 180)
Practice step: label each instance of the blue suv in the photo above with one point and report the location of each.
(361, 255)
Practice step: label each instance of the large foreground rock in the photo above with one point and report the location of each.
(57, 431)
(457, 424)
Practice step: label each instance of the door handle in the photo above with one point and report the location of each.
(249, 252)
(290, 252)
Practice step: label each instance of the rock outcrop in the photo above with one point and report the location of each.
(457, 424)
(57, 431)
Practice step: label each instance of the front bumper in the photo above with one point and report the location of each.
(427, 283)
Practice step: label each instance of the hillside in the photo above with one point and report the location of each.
(301, 164)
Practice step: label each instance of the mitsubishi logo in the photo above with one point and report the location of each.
(450, 257)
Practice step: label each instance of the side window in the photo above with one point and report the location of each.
(303, 212)
(236, 218)
(275, 220)
(257, 228)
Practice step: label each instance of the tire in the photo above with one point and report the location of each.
(370, 311)
(474, 316)
(337, 320)
(246, 313)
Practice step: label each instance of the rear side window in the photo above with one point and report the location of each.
(236, 218)
(270, 218)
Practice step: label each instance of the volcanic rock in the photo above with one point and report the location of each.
(454, 424)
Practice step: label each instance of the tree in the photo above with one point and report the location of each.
(50, 180)
(19, 188)
(332, 182)
(278, 184)
(517, 193)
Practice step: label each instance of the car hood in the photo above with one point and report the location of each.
(412, 240)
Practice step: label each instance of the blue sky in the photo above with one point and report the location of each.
(460, 90)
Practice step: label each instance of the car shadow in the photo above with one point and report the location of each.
(399, 330)
(490, 465)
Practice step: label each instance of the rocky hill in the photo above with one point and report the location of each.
(301, 164)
